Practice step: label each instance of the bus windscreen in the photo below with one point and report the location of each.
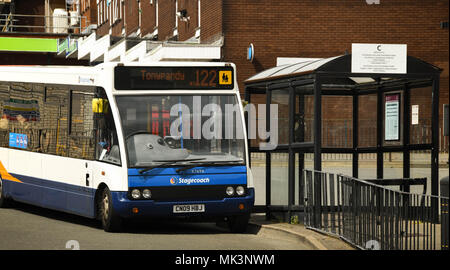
(167, 78)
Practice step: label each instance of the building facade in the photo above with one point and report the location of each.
(30, 31)
(93, 31)
(290, 28)
(222, 30)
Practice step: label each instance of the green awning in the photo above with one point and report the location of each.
(28, 44)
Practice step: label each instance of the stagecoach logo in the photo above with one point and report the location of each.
(188, 181)
(173, 180)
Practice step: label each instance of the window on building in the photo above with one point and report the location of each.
(100, 12)
(115, 10)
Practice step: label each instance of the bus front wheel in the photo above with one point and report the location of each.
(110, 221)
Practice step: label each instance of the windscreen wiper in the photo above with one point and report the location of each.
(224, 162)
(167, 162)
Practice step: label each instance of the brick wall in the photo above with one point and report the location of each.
(103, 24)
(88, 9)
(311, 28)
(149, 17)
(131, 17)
(211, 21)
(327, 28)
(186, 29)
(24, 8)
(117, 20)
(166, 19)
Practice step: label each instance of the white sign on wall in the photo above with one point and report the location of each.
(379, 58)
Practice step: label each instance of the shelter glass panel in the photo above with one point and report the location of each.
(279, 178)
(258, 167)
(367, 166)
(299, 181)
(420, 124)
(281, 98)
(393, 166)
(421, 168)
(304, 116)
(256, 116)
(309, 161)
(367, 121)
(337, 163)
(337, 121)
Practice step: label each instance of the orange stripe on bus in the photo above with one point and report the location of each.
(6, 176)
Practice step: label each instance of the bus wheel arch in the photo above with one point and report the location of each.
(4, 200)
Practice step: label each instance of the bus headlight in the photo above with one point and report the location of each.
(135, 194)
(146, 194)
(230, 191)
(240, 190)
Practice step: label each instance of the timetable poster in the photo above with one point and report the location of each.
(392, 118)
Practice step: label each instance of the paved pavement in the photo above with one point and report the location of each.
(34, 228)
(314, 239)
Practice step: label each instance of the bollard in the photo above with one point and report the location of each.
(444, 213)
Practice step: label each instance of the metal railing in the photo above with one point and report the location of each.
(42, 23)
(371, 216)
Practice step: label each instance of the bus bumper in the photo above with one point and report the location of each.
(126, 208)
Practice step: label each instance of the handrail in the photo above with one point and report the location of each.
(6, 24)
(51, 23)
(369, 215)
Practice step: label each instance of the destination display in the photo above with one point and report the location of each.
(167, 78)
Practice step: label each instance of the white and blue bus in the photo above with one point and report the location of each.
(118, 141)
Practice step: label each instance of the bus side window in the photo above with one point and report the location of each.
(107, 143)
(20, 116)
(54, 134)
(81, 134)
(4, 120)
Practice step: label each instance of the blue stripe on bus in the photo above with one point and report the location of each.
(51, 194)
(228, 175)
(80, 200)
(149, 208)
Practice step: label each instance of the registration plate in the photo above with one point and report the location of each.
(189, 208)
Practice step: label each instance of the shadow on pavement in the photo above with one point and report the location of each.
(135, 226)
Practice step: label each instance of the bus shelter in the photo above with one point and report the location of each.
(365, 125)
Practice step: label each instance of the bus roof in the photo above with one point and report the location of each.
(81, 75)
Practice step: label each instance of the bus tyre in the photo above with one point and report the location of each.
(110, 221)
(238, 224)
(4, 202)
